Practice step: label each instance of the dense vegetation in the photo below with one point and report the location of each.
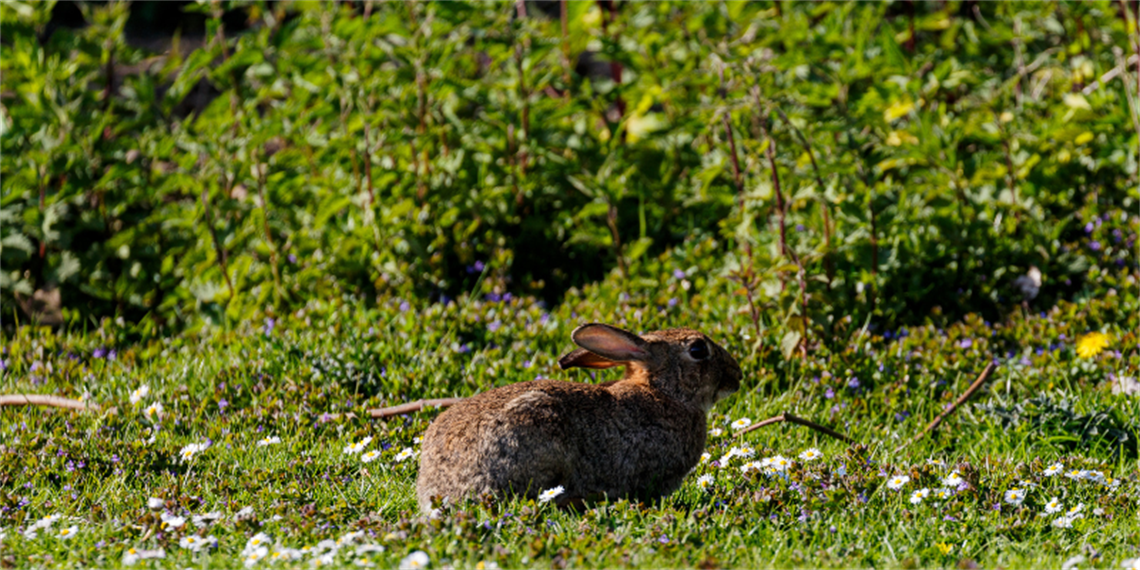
(874, 160)
(314, 209)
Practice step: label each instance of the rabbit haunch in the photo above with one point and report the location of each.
(636, 437)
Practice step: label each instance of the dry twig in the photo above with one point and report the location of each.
(381, 413)
(39, 400)
(985, 375)
(788, 417)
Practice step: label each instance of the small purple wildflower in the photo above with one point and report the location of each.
(678, 274)
(829, 394)
(965, 343)
(1094, 245)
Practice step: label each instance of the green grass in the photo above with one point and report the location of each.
(235, 387)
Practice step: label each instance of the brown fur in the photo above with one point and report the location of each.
(636, 437)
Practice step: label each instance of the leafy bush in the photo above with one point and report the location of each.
(881, 161)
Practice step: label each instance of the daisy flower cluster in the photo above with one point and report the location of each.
(47, 527)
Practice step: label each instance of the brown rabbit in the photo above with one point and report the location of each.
(636, 437)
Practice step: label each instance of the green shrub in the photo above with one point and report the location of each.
(926, 156)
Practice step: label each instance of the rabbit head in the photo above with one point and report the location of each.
(681, 363)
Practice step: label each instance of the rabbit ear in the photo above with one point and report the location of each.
(582, 358)
(610, 343)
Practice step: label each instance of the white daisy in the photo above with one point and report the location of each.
(155, 503)
(68, 532)
(917, 496)
(139, 393)
(405, 454)
(705, 482)
(370, 456)
(705, 457)
(1054, 505)
(280, 553)
(251, 556)
(952, 480)
(349, 538)
(811, 454)
(1094, 476)
(715, 432)
(171, 521)
(778, 463)
(545, 497)
(895, 483)
(936, 462)
(357, 447)
(943, 494)
(191, 450)
(1053, 469)
(1066, 521)
(419, 559)
(741, 423)
(193, 543)
(268, 441)
(202, 521)
(1015, 496)
(1074, 474)
(259, 540)
(750, 466)
(153, 411)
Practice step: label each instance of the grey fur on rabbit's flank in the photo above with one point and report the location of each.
(636, 437)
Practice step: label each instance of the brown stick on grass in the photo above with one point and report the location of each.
(985, 375)
(38, 400)
(788, 417)
(381, 413)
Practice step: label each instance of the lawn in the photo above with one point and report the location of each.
(228, 230)
(271, 402)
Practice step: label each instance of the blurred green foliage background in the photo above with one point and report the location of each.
(890, 162)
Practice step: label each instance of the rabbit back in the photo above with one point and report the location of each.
(616, 439)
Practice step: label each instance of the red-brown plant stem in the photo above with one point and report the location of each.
(368, 167)
(985, 375)
(609, 13)
(874, 250)
(1019, 59)
(265, 225)
(829, 270)
(780, 206)
(565, 47)
(218, 249)
(746, 275)
(108, 90)
(611, 221)
(1134, 41)
(910, 42)
(524, 95)
(220, 37)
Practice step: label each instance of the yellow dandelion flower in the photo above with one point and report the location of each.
(1092, 344)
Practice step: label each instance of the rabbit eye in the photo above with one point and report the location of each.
(699, 350)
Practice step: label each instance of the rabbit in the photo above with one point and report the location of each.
(636, 437)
